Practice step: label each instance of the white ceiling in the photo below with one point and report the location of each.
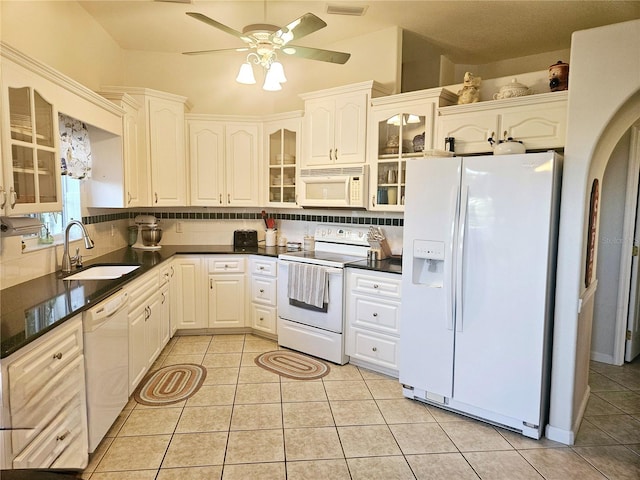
(469, 32)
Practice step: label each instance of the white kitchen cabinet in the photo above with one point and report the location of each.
(373, 319)
(335, 124)
(43, 387)
(161, 145)
(264, 292)
(190, 308)
(539, 121)
(166, 282)
(226, 284)
(31, 161)
(224, 159)
(282, 152)
(145, 326)
(401, 127)
(119, 184)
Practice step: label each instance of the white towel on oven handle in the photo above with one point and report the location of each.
(308, 284)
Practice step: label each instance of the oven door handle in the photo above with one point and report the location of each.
(329, 270)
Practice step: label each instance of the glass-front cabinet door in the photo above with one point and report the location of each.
(282, 153)
(397, 137)
(31, 162)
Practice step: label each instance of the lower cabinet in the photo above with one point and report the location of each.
(264, 292)
(145, 327)
(226, 284)
(373, 319)
(43, 387)
(190, 310)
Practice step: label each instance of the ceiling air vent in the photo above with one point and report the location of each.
(346, 10)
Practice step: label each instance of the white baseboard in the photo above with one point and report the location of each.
(568, 437)
(602, 357)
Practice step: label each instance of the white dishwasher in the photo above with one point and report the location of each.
(106, 356)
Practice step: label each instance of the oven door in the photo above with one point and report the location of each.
(330, 320)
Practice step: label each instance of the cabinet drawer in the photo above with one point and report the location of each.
(375, 314)
(263, 290)
(226, 265)
(376, 285)
(263, 267)
(32, 371)
(62, 433)
(37, 410)
(370, 347)
(139, 291)
(263, 318)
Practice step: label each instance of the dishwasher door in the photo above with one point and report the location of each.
(106, 354)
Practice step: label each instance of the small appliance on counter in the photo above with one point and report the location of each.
(149, 233)
(243, 239)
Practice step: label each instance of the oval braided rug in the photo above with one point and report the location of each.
(292, 365)
(170, 384)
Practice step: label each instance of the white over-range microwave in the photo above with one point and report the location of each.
(334, 187)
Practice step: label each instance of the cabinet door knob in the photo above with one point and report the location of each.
(375, 349)
(335, 154)
(220, 199)
(128, 198)
(375, 285)
(156, 195)
(57, 356)
(375, 314)
(63, 435)
(262, 290)
(211, 283)
(330, 152)
(229, 198)
(261, 268)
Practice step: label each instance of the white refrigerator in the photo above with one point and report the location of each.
(479, 253)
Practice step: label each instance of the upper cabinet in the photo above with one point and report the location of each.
(161, 165)
(30, 146)
(224, 159)
(539, 121)
(32, 95)
(282, 152)
(401, 127)
(335, 124)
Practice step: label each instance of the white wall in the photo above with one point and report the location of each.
(614, 187)
(604, 101)
(64, 36)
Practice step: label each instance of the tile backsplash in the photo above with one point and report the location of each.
(184, 227)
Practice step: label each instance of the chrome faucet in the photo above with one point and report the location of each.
(67, 260)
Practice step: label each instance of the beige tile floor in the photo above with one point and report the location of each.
(247, 423)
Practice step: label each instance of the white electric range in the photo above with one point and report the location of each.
(318, 331)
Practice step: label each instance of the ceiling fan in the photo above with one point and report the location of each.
(263, 41)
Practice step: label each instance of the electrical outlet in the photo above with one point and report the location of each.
(179, 227)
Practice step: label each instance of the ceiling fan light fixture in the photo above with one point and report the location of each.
(289, 50)
(271, 83)
(277, 71)
(245, 75)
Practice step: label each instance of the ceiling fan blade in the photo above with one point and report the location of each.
(211, 22)
(317, 54)
(300, 27)
(222, 50)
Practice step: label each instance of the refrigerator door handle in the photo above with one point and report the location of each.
(460, 259)
(451, 307)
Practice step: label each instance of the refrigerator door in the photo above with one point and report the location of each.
(428, 304)
(505, 291)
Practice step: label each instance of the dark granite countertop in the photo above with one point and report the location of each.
(388, 265)
(30, 309)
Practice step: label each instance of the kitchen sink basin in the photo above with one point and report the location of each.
(103, 272)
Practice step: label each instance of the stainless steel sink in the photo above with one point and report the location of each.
(103, 272)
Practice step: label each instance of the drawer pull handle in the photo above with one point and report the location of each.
(262, 290)
(59, 438)
(375, 285)
(375, 314)
(57, 356)
(375, 349)
(262, 319)
(261, 268)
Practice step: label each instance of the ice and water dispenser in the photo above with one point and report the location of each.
(428, 263)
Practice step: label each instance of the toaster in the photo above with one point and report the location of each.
(245, 239)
